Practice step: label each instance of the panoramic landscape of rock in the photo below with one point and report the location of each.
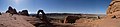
(22, 19)
(12, 18)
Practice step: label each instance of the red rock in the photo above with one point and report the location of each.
(11, 10)
(24, 12)
(7, 20)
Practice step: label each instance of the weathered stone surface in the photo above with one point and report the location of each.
(106, 22)
(114, 9)
(11, 10)
(113, 15)
(24, 12)
(7, 20)
(44, 19)
(71, 19)
(32, 20)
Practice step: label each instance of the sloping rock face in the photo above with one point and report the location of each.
(30, 19)
(113, 16)
(24, 12)
(11, 10)
(7, 20)
(114, 9)
(107, 23)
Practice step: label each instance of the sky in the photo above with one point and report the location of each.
(57, 6)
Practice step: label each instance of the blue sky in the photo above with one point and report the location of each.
(57, 6)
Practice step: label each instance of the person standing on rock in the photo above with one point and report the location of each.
(0, 13)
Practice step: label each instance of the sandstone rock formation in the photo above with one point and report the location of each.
(30, 19)
(113, 15)
(70, 19)
(7, 20)
(114, 9)
(44, 19)
(24, 12)
(11, 10)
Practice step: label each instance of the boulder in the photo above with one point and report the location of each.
(71, 19)
(11, 10)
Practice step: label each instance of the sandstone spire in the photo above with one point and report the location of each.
(11, 10)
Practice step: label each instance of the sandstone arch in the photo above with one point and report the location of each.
(44, 19)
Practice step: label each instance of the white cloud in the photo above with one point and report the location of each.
(31, 12)
(16, 1)
(41, 8)
(96, 13)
